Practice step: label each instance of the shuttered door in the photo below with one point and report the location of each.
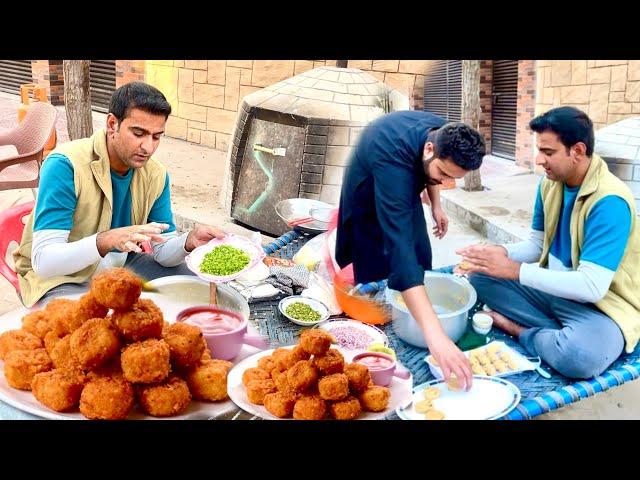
(443, 89)
(102, 81)
(14, 73)
(505, 105)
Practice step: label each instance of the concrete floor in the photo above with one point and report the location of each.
(196, 175)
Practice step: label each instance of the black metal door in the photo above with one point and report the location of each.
(504, 109)
(14, 73)
(443, 89)
(102, 82)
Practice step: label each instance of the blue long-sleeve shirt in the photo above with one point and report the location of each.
(381, 225)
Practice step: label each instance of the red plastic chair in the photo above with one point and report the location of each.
(11, 228)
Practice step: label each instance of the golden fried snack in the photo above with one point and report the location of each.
(60, 313)
(282, 384)
(166, 399)
(51, 339)
(221, 363)
(86, 308)
(144, 320)
(298, 353)
(94, 343)
(146, 361)
(375, 399)
(276, 373)
(283, 358)
(185, 343)
(20, 366)
(453, 384)
(302, 376)
(334, 387)
(112, 368)
(116, 288)
(256, 373)
(267, 363)
(107, 398)
(18, 340)
(431, 393)
(346, 409)
(329, 363)
(208, 381)
(58, 389)
(37, 323)
(62, 357)
(257, 389)
(315, 341)
(309, 407)
(279, 404)
(358, 375)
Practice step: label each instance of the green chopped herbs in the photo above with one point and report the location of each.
(303, 312)
(224, 260)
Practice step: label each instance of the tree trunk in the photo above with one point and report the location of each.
(471, 112)
(77, 98)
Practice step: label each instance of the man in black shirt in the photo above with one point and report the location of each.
(381, 225)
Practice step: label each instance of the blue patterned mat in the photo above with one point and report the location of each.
(539, 394)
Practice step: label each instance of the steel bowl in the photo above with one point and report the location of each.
(296, 208)
(452, 297)
(187, 291)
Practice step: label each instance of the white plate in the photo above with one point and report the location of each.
(489, 398)
(522, 363)
(25, 401)
(400, 389)
(317, 305)
(194, 259)
(377, 335)
(295, 208)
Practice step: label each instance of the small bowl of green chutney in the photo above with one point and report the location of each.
(303, 311)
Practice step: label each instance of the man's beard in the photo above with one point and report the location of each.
(429, 181)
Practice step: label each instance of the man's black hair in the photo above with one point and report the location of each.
(138, 95)
(570, 124)
(460, 143)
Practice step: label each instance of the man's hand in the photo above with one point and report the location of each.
(128, 239)
(451, 361)
(201, 235)
(489, 259)
(440, 222)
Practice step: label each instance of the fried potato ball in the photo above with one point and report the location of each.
(61, 313)
(51, 339)
(18, 340)
(20, 366)
(86, 308)
(116, 288)
(166, 399)
(61, 355)
(107, 398)
(334, 387)
(94, 343)
(359, 377)
(309, 407)
(255, 373)
(346, 409)
(144, 320)
(302, 376)
(59, 390)
(257, 389)
(279, 404)
(146, 361)
(375, 399)
(38, 324)
(315, 341)
(208, 381)
(267, 363)
(185, 343)
(329, 363)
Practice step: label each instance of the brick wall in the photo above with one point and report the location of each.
(607, 90)
(486, 100)
(49, 74)
(129, 71)
(526, 107)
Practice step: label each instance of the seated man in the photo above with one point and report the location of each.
(100, 198)
(580, 306)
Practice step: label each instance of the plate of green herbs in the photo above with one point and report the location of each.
(224, 259)
(303, 311)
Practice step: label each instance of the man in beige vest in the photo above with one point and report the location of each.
(100, 198)
(571, 293)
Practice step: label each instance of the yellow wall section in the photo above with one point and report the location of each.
(165, 78)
